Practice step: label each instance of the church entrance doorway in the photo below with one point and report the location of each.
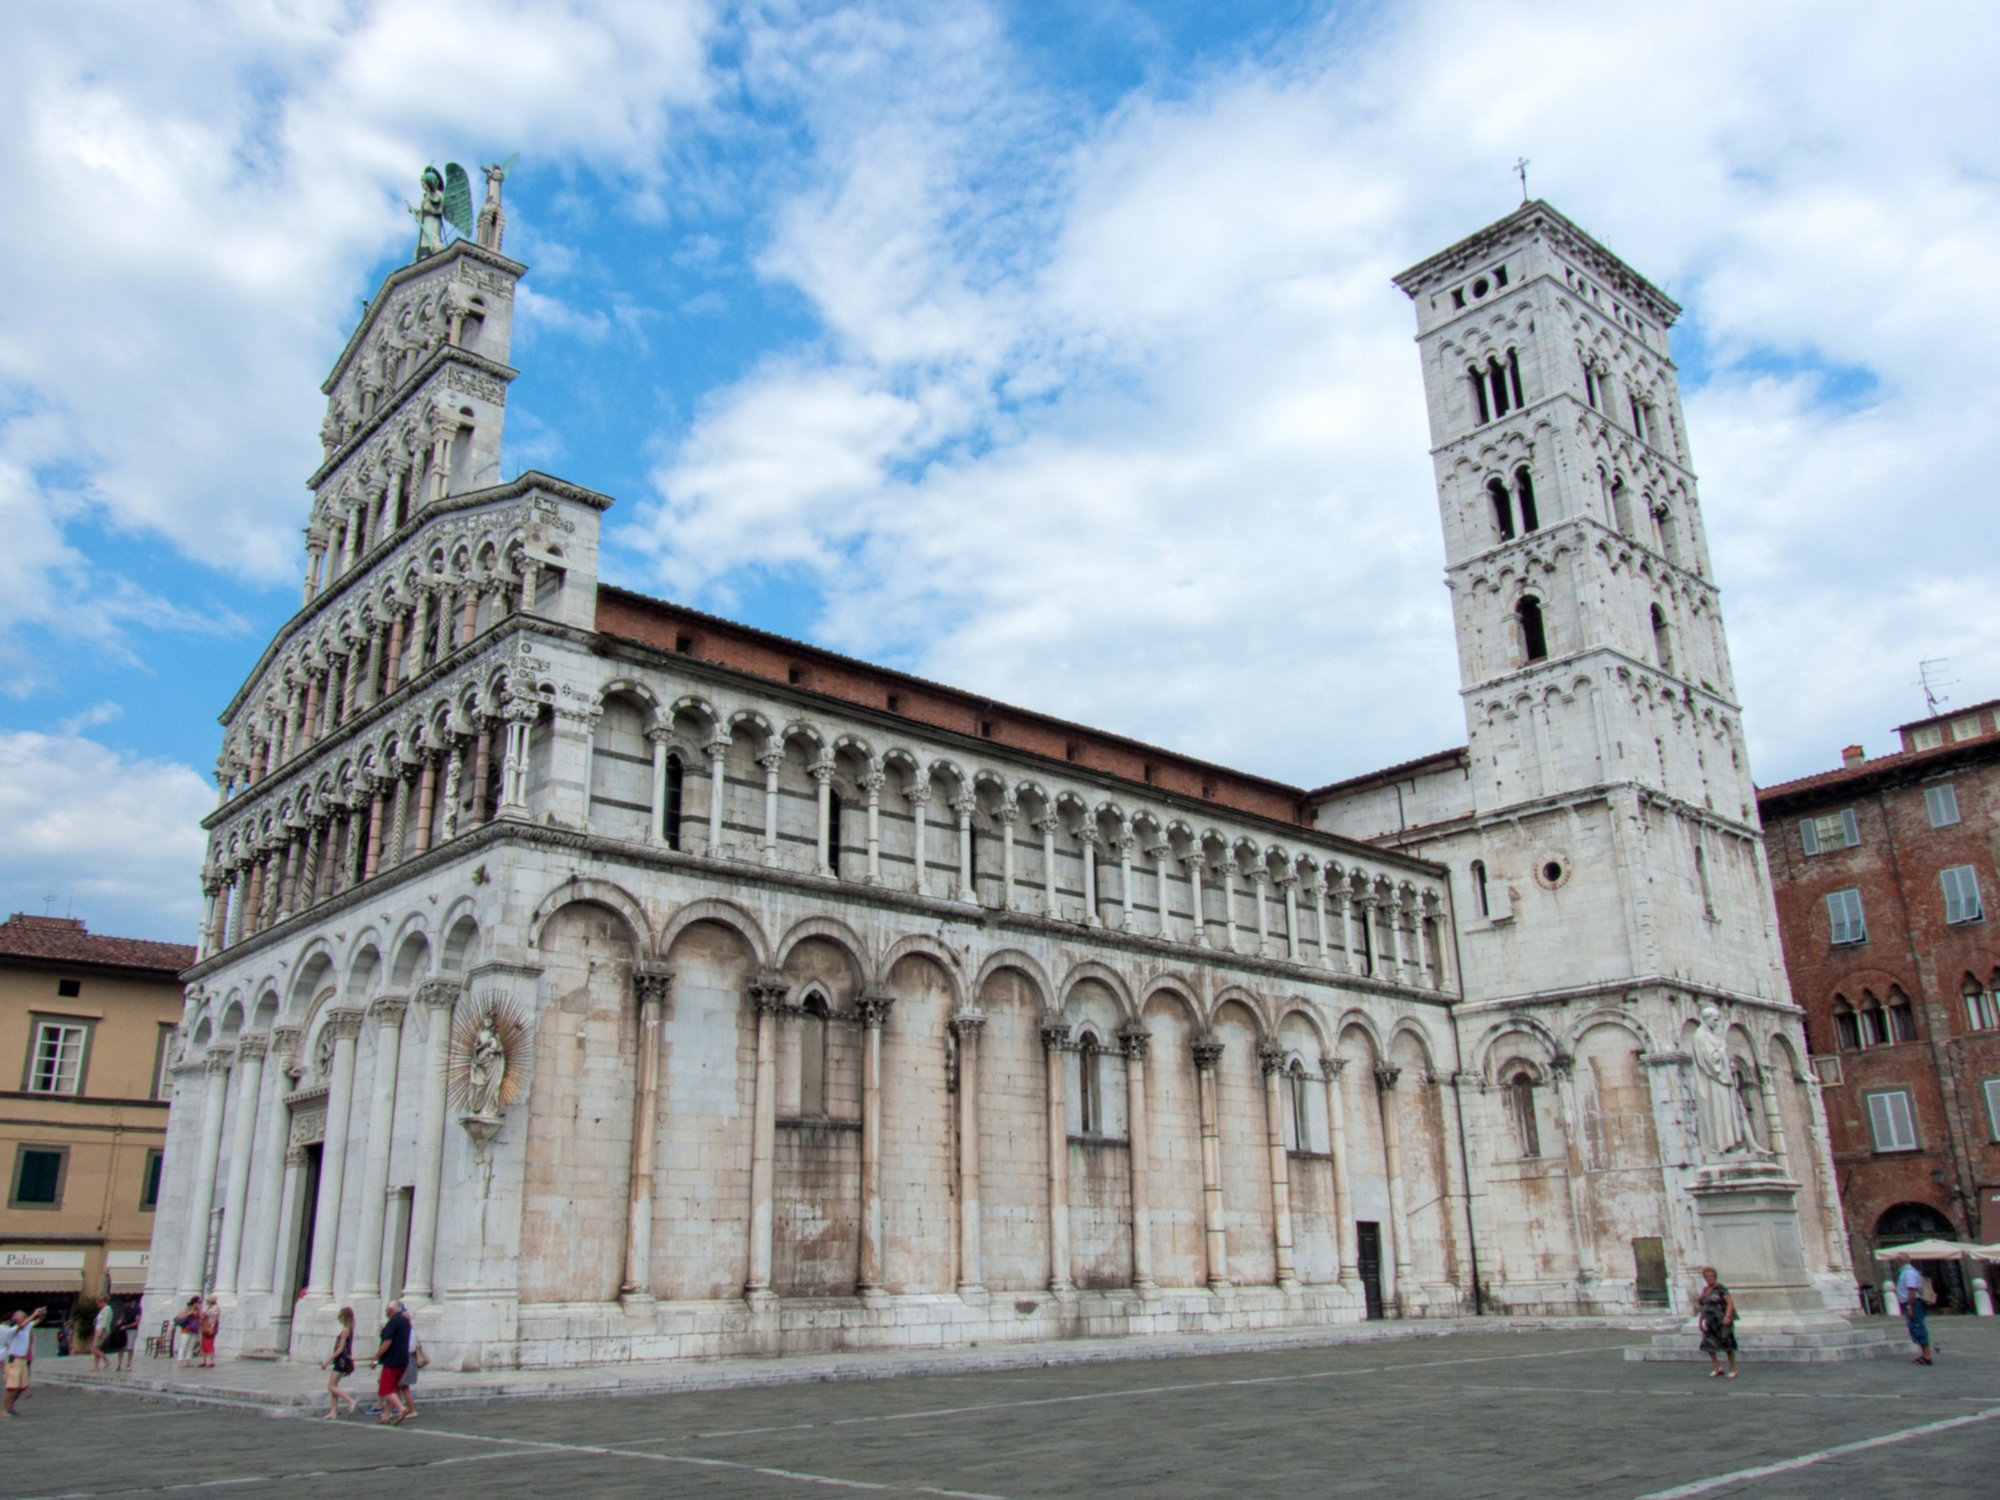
(1649, 1264)
(308, 1217)
(1369, 1239)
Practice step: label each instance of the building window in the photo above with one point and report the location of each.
(1503, 509)
(1621, 507)
(1902, 1018)
(1521, 1104)
(1592, 389)
(1089, 1087)
(670, 816)
(69, 989)
(163, 1062)
(1524, 490)
(38, 1177)
(1961, 894)
(815, 1038)
(1892, 1121)
(1534, 637)
(55, 1064)
(1834, 830)
(1846, 1025)
(149, 1191)
(1927, 738)
(1295, 1078)
(1982, 1007)
(1941, 802)
(1992, 1088)
(1965, 729)
(1843, 910)
(1479, 887)
(1701, 879)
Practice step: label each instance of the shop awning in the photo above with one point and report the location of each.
(42, 1279)
(127, 1280)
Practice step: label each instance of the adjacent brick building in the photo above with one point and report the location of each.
(1885, 873)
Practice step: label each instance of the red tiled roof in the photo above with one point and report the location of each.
(64, 940)
(1894, 761)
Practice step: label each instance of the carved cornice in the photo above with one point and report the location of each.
(439, 994)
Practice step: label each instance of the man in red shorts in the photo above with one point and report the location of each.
(390, 1361)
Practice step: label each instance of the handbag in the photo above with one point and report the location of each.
(423, 1360)
(343, 1364)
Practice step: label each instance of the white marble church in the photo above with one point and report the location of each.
(612, 981)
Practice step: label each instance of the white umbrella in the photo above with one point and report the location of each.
(1937, 1250)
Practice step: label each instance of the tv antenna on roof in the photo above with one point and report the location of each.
(1933, 684)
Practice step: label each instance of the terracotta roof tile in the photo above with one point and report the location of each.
(64, 940)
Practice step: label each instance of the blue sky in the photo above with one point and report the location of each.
(1044, 349)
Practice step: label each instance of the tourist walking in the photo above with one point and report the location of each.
(1913, 1297)
(341, 1364)
(127, 1335)
(211, 1324)
(117, 1344)
(100, 1336)
(392, 1358)
(417, 1361)
(1715, 1310)
(19, 1347)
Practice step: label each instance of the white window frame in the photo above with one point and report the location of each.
(1847, 927)
(1941, 803)
(1962, 900)
(1816, 839)
(68, 1064)
(1928, 738)
(1982, 1009)
(1992, 1090)
(1902, 1134)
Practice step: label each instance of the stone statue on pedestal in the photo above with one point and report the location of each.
(1724, 1123)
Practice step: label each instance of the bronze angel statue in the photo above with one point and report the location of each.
(446, 199)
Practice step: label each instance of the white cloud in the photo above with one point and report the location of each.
(1122, 420)
(115, 839)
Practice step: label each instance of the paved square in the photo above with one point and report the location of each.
(1476, 1414)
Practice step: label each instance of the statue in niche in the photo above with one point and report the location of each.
(485, 1069)
(488, 1052)
(1724, 1122)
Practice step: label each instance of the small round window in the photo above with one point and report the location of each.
(1552, 873)
(1481, 287)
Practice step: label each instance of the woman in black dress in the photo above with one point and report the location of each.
(1716, 1311)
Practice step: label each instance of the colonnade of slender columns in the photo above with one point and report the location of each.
(653, 986)
(250, 1052)
(875, 1006)
(201, 1200)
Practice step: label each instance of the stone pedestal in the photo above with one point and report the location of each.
(1750, 1224)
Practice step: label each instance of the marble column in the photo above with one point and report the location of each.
(1271, 1059)
(399, 819)
(1126, 839)
(250, 1052)
(717, 751)
(1163, 863)
(1260, 888)
(1207, 1054)
(963, 805)
(1046, 826)
(1229, 872)
(392, 671)
(437, 999)
(918, 795)
(1348, 959)
(388, 1012)
(1349, 1268)
(653, 985)
(263, 1273)
(1564, 1068)
(1199, 911)
(1087, 841)
(1055, 1042)
(1289, 883)
(1010, 811)
(426, 802)
(767, 994)
(1322, 894)
(201, 1199)
(346, 1026)
(875, 1004)
(772, 758)
(1392, 1161)
(1139, 1153)
(829, 836)
(967, 1025)
(872, 785)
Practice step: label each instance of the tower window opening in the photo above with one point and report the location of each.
(1591, 392)
(1874, 1025)
(1479, 888)
(1458, 297)
(1478, 379)
(1524, 488)
(1621, 508)
(1670, 540)
(684, 644)
(1534, 637)
(895, 703)
(1499, 275)
(1902, 1018)
(1503, 509)
(1663, 646)
(834, 811)
(1701, 879)
(1521, 1103)
(1638, 419)
(796, 676)
(1514, 376)
(1846, 1026)
(1089, 1092)
(1496, 380)
(1295, 1076)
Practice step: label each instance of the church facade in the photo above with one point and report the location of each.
(611, 981)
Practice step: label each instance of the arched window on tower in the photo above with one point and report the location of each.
(1846, 1026)
(1701, 879)
(1524, 491)
(1621, 507)
(834, 809)
(1902, 1017)
(1485, 409)
(1534, 638)
(1663, 645)
(1593, 387)
(1521, 1105)
(1670, 539)
(670, 817)
(1479, 888)
(814, 1029)
(1982, 1006)
(1503, 509)
(1295, 1082)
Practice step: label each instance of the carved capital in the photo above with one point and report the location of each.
(768, 991)
(1271, 1058)
(653, 984)
(1330, 1064)
(256, 1044)
(439, 994)
(389, 1010)
(874, 1007)
(968, 1022)
(285, 1042)
(218, 1059)
(344, 1022)
(295, 1157)
(1207, 1050)
(1563, 1064)
(1048, 822)
(771, 759)
(1386, 1076)
(1055, 1034)
(1137, 1039)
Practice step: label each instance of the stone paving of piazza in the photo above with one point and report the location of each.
(1504, 1413)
